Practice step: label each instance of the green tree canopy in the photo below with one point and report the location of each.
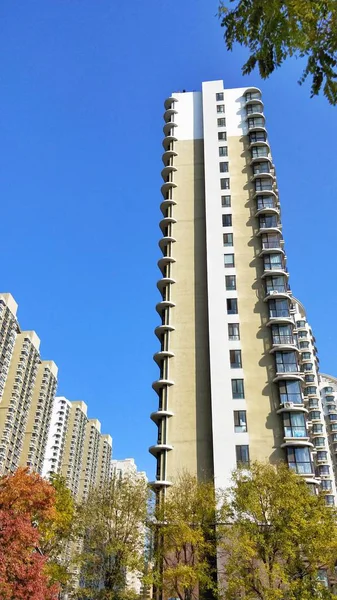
(274, 30)
(277, 539)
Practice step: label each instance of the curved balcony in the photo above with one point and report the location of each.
(159, 356)
(270, 272)
(167, 171)
(161, 329)
(161, 383)
(292, 407)
(256, 127)
(281, 293)
(165, 260)
(163, 282)
(157, 448)
(158, 483)
(167, 141)
(272, 247)
(267, 210)
(279, 318)
(271, 229)
(163, 304)
(158, 415)
(165, 222)
(166, 157)
(166, 187)
(260, 159)
(168, 114)
(169, 101)
(294, 375)
(169, 127)
(258, 111)
(164, 241)
(283, 342)
(254, 101)
(296, 442)
(314, 418)
(166, 203)
(263, 175)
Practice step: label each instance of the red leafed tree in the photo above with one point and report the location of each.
(26, 500)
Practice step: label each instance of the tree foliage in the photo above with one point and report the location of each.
(185, 549)
(57, 532)
(274, 30)
(113, 521)
(26, 501)
(276, 537)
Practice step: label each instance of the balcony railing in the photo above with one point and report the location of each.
(273, 244)
(304, 468)
(283, 339)
(295, 432)
(287, 368)
(295, 398)
(277, 288)
(273, 267)
(283, 312)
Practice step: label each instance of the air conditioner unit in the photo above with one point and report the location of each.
(288, 405)
(273, 292)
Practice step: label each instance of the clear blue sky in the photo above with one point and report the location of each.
(82, 85)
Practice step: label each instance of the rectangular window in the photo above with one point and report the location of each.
(226, 220)
(223, 151)
(299, 460)
(220, 108)
(235, 359)
(232, 306)
(219, 96)
(222, 135)
(222, 122)
(223, 166)
(240, 421)
(229, 260)
(230, 282)
(228, 239)
(242, 455)
(225, 201)
(233, 331)
(290, 391)
(224, 183)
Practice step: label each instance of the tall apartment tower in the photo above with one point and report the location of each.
(233, 385)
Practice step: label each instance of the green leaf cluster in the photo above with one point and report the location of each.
(274, 30)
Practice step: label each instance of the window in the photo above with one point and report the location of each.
(276, 284)
(235, 359)
(332, 417)
(225, 201)
(263, 184)
(282, 334)
(261, 167)
(242, 455)
(290, 391)
(304, 344)
(299, 460)
(306, 355)
(273, 262)
(309, 378)
(278, 308)
(323, 470)
(268, 221)
(328, 390)
(255, 122)
(257, 136)
(224, 183)
(330, 501)
(300, 323)
(253, 108)
(226, 220)
(265, 202)
(223, 166)
(319, 442)
(294, 425)
(223, 151)
(228, 239)
(317, 428)
(259, 151)
(230, 282)
(315, 415)
(311, 389)
(286, 362)
(252, 96)
(240, 421)
(220, 108)
(322, 455)
(308, 366)
(222, 135)
(232, 306)
(233, 331)
(219, 96)
(325, 483)
(229, 260)
(222, 122)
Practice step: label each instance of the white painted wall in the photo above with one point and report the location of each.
(189, 116)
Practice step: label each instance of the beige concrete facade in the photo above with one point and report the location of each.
(72, 460)
(104, 458)
(17, 398)
(90, 469)
(232, 385)
(39, 416)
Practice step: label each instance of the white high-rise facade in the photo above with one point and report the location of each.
(236, 383)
